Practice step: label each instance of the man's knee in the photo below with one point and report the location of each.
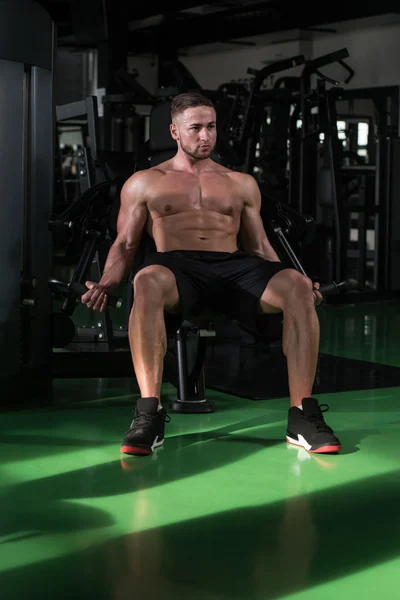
(154, 284)
(288, 288)
(299, 290)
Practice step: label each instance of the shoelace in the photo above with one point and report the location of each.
(146, 420)
(318, 420)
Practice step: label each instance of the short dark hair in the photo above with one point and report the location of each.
(186, 100)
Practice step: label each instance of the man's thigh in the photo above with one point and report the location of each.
(192, 279)
(246, 280)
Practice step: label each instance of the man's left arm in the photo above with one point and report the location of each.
(252, 233)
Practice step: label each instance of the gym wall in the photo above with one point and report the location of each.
(374, 52)
(147, 67)
(213, 68)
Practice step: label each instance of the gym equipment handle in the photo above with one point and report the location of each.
(326, 59)
(79, 289)
(275, 67)
(333, 287)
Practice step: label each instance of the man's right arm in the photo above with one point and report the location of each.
(131, 221)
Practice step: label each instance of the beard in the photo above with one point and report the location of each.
(198, 154)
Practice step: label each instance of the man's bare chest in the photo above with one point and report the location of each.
(177, 193)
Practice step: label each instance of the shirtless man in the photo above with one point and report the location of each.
(198, 210)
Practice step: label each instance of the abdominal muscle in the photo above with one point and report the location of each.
(196, 230)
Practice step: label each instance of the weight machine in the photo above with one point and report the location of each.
(315, 161)
(27, 49)
(286, 137)
(81, 234)
(370, 186)
(244, 107)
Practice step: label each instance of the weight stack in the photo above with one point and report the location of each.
(27, 47)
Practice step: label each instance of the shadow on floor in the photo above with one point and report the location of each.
(257, 552)
(186, 455)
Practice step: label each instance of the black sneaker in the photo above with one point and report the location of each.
(147, 429)
(307, 428)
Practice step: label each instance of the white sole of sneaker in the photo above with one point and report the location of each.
(156, 443)
(300, 442)
(304, 444)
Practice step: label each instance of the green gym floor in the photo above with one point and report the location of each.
(226, 510)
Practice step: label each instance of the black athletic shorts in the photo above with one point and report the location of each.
(226, 282)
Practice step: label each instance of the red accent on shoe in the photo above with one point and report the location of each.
(326, 449)
(135, 450)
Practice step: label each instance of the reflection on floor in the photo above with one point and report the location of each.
(359, 350)
(256, 375)
(225, 511)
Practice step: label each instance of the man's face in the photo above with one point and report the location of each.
(195, 131)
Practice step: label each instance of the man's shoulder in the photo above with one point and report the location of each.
(216, 167)
(144, 177)
(150, 173)
(241, 176)
(242, 179)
